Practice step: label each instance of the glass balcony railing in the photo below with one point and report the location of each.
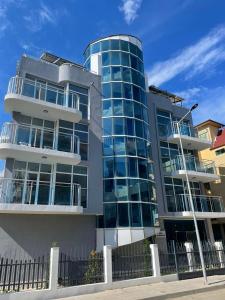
(201, 203)
(42, 91)
(33, 192)
(39, 137)
(192, 164)
(185, 129)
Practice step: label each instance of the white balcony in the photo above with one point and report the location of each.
(204, 206)
(36, 144)
(40, 100)
(20, 196)
(189, 136)
(197, 170)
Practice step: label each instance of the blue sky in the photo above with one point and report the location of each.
(183, 41)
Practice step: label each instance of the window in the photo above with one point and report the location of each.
(109, 190)
(131, 146)
(115, 45)
(107, 126)
(95, 48)
(116, 90)
(127, 91)
(105, 45)
(107, 108)
(121, 190)
(108, 146)
(119, 146)
(134, 190)
(117, 107)
(143, 168)
(125, 59)
(106, 90)
(220, 151)
(129, 126)
(106, 58)
(126, 74)
(135, 214)
(118, 126)
(106, 74)
(146, 215)
(128, 108)
(120, 167)
(132, 167)
(123, 214)
(116, 74)
(124, 46)
(110, 215)
(115, 58)
(108, 167)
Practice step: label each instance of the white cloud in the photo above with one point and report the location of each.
(37, 18)
(211, 103)
(130, 8)
(195, 59)
(32, 49)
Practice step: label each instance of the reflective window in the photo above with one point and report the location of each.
(107, 126)
(132, 167)
(124, 46)
(121, 190)
(106, 74)
(95, 48)
(120, 167)
(117, 107)
(125, 59)
(134, 190)
(146, 215)
(135, 213)
(129, 126)
(119, 146)
(128, 108)
(115, 45)
(127, 91)
(109, 167)
(106, 90)
(116, 90)
(105, 58)
(105, 45)
(131, 146)
(115, 58)
(107, 108)
(126, 74)
(143, 168)
(123, 214)
(116, 74)
(118, 126)
(108, 146)
(109, 190)
(110, 215)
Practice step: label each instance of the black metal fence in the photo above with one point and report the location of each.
(132, 261)
(186, 263)
(81, 270)
(17, 275)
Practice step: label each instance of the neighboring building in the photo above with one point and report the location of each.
(215, 132)
(172, 194)
(92, 152)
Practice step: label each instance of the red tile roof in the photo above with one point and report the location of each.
(220, 139)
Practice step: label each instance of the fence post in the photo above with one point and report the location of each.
(107, 252)
(155, 260)
(190, 255)
(220, 253)
(54, 268)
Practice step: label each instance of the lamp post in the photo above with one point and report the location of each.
(190, 194)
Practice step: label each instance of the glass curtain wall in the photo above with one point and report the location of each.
(129, 188)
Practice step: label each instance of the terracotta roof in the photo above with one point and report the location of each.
(220, 139)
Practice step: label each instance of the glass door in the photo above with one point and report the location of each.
(30, 189)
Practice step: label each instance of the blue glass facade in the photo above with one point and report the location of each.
(129, 188)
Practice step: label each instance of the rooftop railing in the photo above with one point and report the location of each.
(22, 191)
(186, 129)
(39, 137)
(202, 203)
(192, 164)
(43, 91)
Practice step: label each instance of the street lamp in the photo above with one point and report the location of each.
(190, 194)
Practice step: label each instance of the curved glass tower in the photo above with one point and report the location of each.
(129, 188)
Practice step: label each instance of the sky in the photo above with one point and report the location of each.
(183, 41)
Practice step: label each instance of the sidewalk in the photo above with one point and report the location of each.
(158, 291)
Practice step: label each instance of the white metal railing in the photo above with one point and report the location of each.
(39, 137)
(202, 203)
(43, 91)
(33, 192)
(186, 129)
(192, 164)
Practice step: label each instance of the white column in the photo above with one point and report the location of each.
(107, 251)
(220, 253)
(155, 260)
(54, 268)
(190, 255)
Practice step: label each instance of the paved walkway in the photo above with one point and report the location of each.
(184, 290)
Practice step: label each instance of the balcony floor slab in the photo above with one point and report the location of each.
(195, 176)
(189, 142)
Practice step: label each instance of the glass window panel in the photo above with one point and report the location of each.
(84, 110)
(126, 74)
(108, 146)
(110, 215)
(51, 96)
(107, 126)
(121, 190)
(107, 108)
(106, 58)
(65, 142)
(143, 168)
(62, 194)
(108, 167)
(123, 214)
(132, 167)
(109, 190)
(106, 90)
(81, 127)
(95, 48)
(119, 146)
(129, 126)
(65, 124)
(117, 107)
(120, 167)
(141, 148)
(106, 74)
(139, 128)
(133, 61)
(43, 194)
(118, 126)
(116, 74)
(79, 89)
(48, 139)
(23, 135)
(105, 45)
(64, 168)
(137, 110)
(80, 170)
(133, 48)
(127, 91)
(125, 59)
(82, 135)
(28, 89)
(146, 215)
(124, 46)
(144, 190)
(116, 90)
(131, 146)
(80, 179)
(128, 108)
(46, 168)
(115, 45)
(33, 167)
(84, 151)
(115, 58)
(134, 190)
(135, 214)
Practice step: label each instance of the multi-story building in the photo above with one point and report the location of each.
(215, 132)
(92, 151)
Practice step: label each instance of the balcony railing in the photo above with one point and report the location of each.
(201, 203)
(185, 129)
(39, 137)
(33, 192)
(192, 164)
(43, 91)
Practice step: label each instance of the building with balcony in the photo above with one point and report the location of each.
(92, 155)
(215, 133)
(173, 199)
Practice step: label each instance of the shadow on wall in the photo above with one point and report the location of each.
(29, 236)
